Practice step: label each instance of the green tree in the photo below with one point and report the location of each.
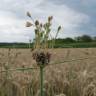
(94, 38)
(84, 38)
(69, 40)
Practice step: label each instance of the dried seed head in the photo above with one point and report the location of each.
(41, 25)
(59, 28)
(50, 18)
(28, 24)
(28, 14)
(47, 25)
(36, 22)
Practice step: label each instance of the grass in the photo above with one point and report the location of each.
(69, 79)
(77, 45)
(63, 45)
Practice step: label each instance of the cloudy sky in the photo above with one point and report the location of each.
(77, 17)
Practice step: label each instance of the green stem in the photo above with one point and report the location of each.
(41, 81)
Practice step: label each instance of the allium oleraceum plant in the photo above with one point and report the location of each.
(42, 35)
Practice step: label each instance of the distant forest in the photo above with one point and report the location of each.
(83, 38)
(76, 42)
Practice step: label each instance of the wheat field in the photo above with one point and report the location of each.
(77, 78)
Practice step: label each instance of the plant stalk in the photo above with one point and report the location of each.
(41, 81)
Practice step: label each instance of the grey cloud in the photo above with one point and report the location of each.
(68, 13)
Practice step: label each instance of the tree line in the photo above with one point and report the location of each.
(80, 39)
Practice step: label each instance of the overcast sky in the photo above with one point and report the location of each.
(77, 17)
